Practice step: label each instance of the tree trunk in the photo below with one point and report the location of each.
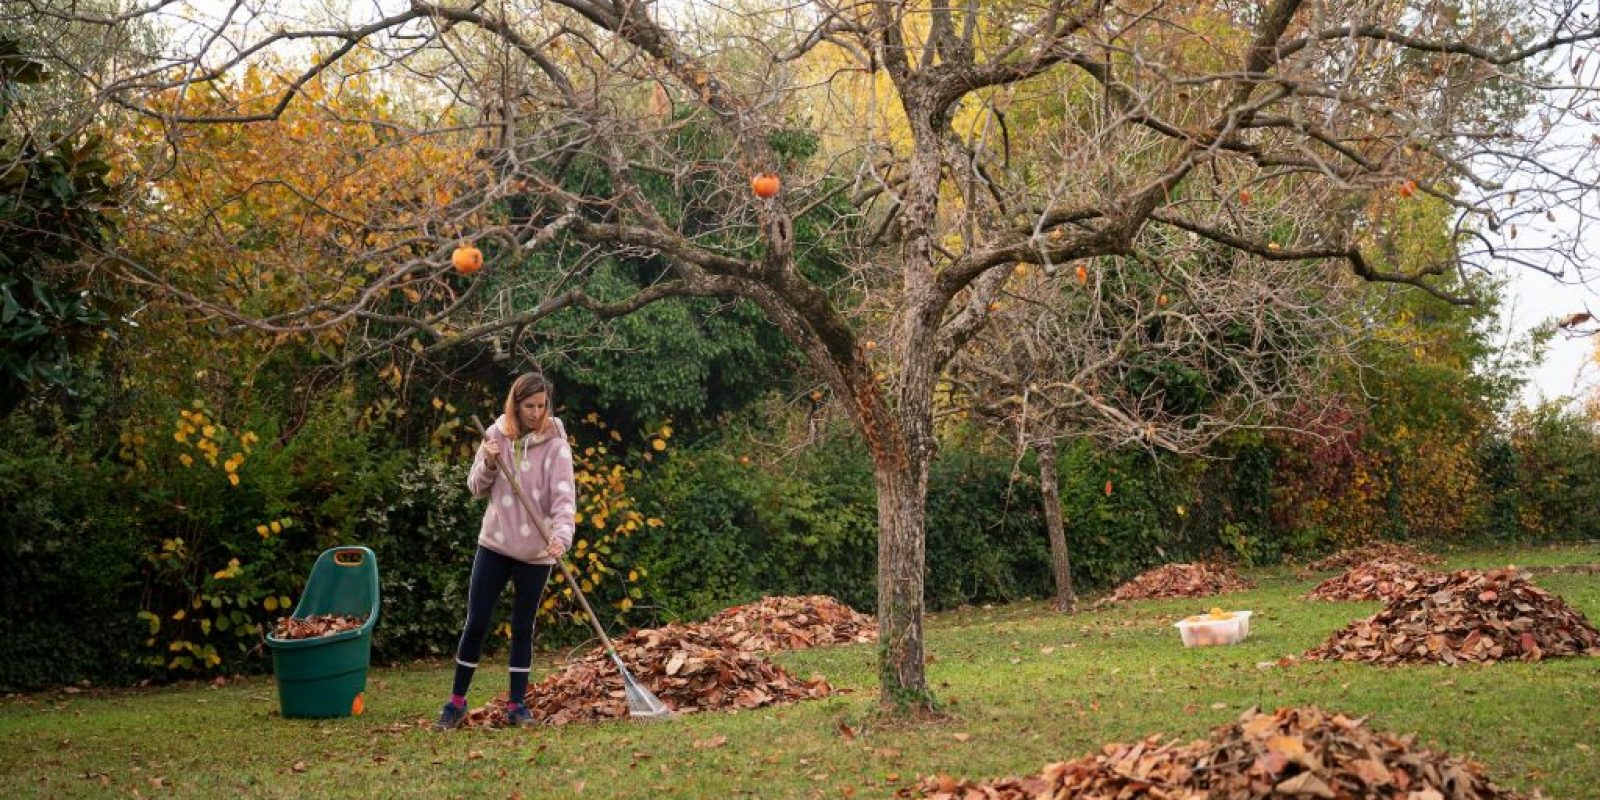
(902, 485)
(1050, 491)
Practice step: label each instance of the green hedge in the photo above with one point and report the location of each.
(96, 575)
(736, 531)
(72, 566)
(1543, 484)
(423, 532)
(124, 563)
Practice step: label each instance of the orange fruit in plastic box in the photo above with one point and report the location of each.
(1215, 627)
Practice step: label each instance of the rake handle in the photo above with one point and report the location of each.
(527, 507)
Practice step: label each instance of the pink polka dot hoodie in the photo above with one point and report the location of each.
(542, 464)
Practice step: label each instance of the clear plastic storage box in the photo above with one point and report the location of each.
(1214, 628)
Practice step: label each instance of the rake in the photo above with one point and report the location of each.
(642, 703)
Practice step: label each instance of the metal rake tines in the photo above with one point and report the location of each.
(642, 703)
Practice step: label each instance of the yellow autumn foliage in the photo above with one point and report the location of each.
(318, 206)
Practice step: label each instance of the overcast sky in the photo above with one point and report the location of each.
(1533, 298)
(1567, 371)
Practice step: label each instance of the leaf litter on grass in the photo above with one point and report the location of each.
(1179, 580)
(1378, 579)
(1293, 752)
(1375, 551)
(793, 623)
(712, 665)
(1465, 616)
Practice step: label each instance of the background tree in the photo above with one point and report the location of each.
(54, 200)
(1171, 352)
(58, 202)
(1169, 114)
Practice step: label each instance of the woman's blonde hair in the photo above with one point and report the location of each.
(526, 385)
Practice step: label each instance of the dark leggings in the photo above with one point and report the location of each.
(490, 572)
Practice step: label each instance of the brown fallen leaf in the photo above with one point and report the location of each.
(1290, 747)
(1371, 773)
(1259, 725)
(1306, 784)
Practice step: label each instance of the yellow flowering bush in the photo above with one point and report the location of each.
(606, 513)
(207, 596)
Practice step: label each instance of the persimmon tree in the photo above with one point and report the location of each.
(1160, 119)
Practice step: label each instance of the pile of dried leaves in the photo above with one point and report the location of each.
(691, 668)
(1296, 752)
(1469, 616)
(315, 625)
(1375, 551)
(1371, 580)
(1180, 580)
(792, 623)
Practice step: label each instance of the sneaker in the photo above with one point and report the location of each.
(518, 717)
(450, 717)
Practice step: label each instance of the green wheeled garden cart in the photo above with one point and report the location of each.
(326, 676)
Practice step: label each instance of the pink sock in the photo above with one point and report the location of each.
(458, 700)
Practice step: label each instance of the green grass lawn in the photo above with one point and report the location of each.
(1023, 687)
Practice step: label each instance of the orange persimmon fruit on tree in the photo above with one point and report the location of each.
(467, 259)
(765, 185)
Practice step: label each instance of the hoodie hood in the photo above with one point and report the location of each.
(554, 430)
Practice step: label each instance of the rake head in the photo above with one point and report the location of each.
(642, 703)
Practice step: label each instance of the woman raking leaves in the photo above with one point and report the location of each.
(511, 547)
